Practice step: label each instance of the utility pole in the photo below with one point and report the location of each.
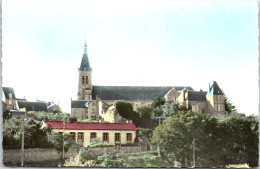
(63, 154)
(22, 152)
(194, 162)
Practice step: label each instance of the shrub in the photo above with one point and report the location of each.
(85, 155)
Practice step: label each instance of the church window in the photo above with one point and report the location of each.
(83, 79)
(86, 79)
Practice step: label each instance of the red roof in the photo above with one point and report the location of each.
(91, 126)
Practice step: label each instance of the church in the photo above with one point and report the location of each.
(97, 102)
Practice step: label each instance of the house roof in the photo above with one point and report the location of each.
(90, 126)
(196, 96)
(32, 106)
(8, 90)
(80, 103)
(214, 89)
(133, 93)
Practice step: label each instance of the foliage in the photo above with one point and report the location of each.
(34, 136)
(140, 159)
(145, 133)
(57, 140)
(218, 143)
(6, 114)
(125, 109)
(73, 119)
(85, 155)
(229, 107)
(48, 116)
(145, 112)
(158, 102)
(96, 142)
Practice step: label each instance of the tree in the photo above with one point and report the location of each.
(96, 142)
(218, 142)
(125, 109)
(145, 112)
(229, 107)
(57, 140)
(158, 102)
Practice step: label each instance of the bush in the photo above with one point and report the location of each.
(96, 142)
(85, 155)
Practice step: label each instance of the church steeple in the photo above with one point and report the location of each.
(85, 77)
(85, 65)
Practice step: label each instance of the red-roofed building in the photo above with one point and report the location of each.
(109, 133)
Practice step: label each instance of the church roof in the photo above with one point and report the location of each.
(32, 106)
(90, 126)
(196, 96)
(133, 93)
(79, 103)
(8, 90)
(214, 89)
(85, 65)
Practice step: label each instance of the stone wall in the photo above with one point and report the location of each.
(13, 156)
(97, 151)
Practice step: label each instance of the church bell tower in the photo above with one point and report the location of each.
(85, 77)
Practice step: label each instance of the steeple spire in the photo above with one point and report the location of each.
(85, 47)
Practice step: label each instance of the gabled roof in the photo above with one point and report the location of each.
(90, 126)
(214, 89)
(32, 106)
(8, 90)
(196, 96)
(80, 103)
(133, 93)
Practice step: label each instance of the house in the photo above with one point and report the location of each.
(32, 106)
(82, 133)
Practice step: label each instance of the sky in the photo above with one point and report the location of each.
(140, 43)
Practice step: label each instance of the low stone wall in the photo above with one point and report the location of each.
(13, 156)
(97, 151)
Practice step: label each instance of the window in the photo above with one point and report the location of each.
(81, 136)
(105, 137)
(128, 136)
(86, 79)
(93, 135)
(219, 108)
(83, 79)
(219, 98)
(117, 137)
(73, 136)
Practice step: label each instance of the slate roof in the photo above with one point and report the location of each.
(79, 103)
(8, 90)
(32, 106)
(133, 93)
(91, 126)
(215, 89)
(85, 65)
(196, 96)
